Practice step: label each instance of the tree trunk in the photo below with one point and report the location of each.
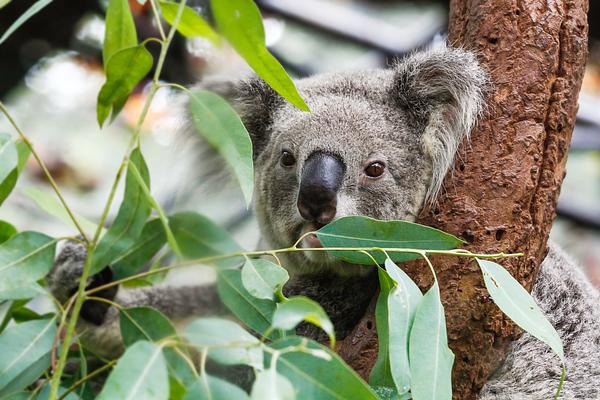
(502, 195)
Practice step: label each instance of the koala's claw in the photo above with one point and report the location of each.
(63, 281)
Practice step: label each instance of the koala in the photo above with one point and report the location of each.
(376, 143)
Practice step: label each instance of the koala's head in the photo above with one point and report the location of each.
(376, 143)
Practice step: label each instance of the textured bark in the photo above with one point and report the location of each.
(502, 195)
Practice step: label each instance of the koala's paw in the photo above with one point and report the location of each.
(63, 281)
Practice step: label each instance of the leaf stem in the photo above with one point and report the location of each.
(80, 296)
(45, 170)
(87, 378)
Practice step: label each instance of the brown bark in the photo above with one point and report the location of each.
(502, 195)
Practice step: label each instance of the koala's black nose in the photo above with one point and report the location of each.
(321, 179)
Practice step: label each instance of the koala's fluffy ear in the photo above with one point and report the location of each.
(442, 91)
(254, 101)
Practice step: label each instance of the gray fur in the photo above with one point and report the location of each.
(412, 117)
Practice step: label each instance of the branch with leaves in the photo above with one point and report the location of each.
(159, 362)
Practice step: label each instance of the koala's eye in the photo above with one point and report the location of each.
(287, 159)
(375, 170)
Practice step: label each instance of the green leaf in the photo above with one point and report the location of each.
(254, 313)
(119, 31)
(262, 278)
(6, 231)
(297, 309)
(368, 232)
(31, 11)
(323, 378)
(199, 237)
(25, 353)
(151, 240)
(44, 394)
(271, 385)
(211, 388)
(190, 24)
(9, 160)
(402, 301)
(228, 342)
(28, 291)
(5, 313)
(381, 374)
(24, 259)
(154, 204)
(141, 373)
(145, 323)
(23, 153)
(131, 218)
(239, 21)
(518, 305)
(223, 129)
(430, 358)
(125, 69)
(50, 204)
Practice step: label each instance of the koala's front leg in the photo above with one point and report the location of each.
(98, 325)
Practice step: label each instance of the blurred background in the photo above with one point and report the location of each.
(51, 72)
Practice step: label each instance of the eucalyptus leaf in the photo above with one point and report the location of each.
(359, 231)
(50, 204)
(316, 377)
(223, 129)
(131, 218)
(141, 373)
(198, 237)
(151, 240)
(29, 291)
(519, 306)
(403, 301)
(190, 24)
(262, 278)
(9, 160)
(297, 309)
(23, 153)
(145, 323)
(254, 313)
(25, 258)
(7, 231)
(430, 358)
(124, 70)
(5, 313)
(25, 353)
(119, 31)
(211, 388)
(381, 374)
(269, 384)
(228, 342)
(31, 11)
(239, 21)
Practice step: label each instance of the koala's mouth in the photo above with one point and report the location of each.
(310, 240)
